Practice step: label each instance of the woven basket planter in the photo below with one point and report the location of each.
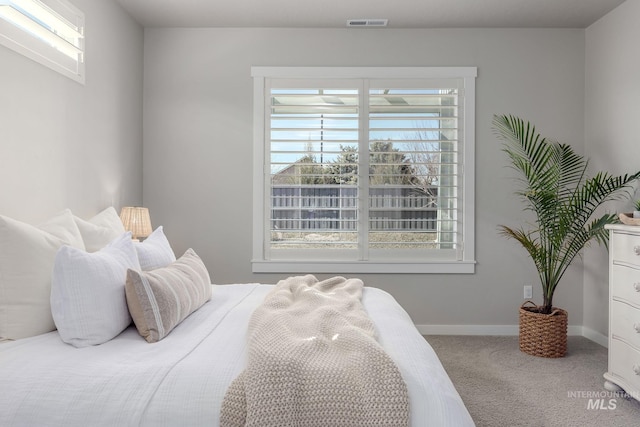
(543, 335)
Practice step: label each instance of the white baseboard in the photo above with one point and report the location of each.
(468, 329)
(595, 336)
(505, 330)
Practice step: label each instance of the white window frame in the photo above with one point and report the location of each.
(261, 262)
(36, 41)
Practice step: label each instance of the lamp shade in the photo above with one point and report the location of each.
(136, 219)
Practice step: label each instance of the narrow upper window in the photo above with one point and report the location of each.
(370, 174)
(50, 32)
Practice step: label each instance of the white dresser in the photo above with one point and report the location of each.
(624, 310)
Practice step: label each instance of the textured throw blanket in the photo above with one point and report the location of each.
(313, 361)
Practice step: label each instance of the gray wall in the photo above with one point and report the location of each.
(612, 108)
(65, 145)
(198, 141)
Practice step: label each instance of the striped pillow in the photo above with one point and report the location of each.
(160, 299)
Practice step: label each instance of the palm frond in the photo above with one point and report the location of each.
(554, 186)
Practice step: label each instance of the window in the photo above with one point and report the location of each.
(50, 32)
(359, 175)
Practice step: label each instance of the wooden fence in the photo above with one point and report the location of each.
(335, 207)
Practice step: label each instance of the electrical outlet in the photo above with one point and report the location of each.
(528, 292)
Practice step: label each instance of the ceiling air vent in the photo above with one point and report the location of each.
(367, 22)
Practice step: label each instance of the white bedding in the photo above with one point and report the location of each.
(181, 380)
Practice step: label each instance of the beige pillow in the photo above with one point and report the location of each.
(160, 299)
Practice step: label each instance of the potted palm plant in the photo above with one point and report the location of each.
(555, 188)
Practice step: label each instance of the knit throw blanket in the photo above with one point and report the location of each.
(313, 360)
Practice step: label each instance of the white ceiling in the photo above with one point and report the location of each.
(400, 13)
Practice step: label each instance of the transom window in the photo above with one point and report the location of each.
(357, 175)
(50, 32)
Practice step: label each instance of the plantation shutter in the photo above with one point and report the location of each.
(314, 136)
(363, 174)
(315, 156)
(414, 144)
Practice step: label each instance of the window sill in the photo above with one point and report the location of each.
(355, 267)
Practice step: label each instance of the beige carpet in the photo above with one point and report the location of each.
(502, 386)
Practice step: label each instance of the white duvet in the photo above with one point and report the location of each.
(181, 380)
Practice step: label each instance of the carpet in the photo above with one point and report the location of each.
(501, 386)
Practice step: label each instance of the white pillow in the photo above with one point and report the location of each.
(155, 251)
(88, 300)
(101, 229)
(26, 262)
(64, 227)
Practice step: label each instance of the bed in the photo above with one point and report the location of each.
(181, 378)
